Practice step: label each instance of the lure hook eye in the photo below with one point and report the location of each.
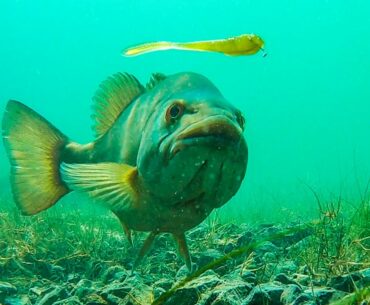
(264, 53)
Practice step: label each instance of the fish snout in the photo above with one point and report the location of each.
(220, 127)
(215, 131)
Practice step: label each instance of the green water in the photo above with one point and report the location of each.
(307, 104)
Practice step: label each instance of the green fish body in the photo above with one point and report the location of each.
(165, 156)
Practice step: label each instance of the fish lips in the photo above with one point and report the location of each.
(217, 131)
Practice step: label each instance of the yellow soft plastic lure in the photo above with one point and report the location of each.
(246, 44)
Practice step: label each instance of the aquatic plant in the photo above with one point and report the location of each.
(360, 297)
(245, 250)
(59, 243)
(340, 242)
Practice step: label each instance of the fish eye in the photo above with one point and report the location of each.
(174, 111)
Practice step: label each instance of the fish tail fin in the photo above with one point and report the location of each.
(34, 148)
(150, 47)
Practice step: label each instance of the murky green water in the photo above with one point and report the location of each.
(306, 104)
(307, 110)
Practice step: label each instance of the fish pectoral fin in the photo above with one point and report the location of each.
(183, 249)
(111, 183)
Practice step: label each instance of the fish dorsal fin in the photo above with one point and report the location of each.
(113, 184)
(112, 97)
(154, 80)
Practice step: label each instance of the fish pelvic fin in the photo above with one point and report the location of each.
(145, 248)
(113, 96)
(149, 47)
(34, 147)
(183, 250)
(113, 184)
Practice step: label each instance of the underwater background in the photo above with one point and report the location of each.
(307, 104)
(297, 231)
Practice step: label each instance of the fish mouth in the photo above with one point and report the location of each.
(216, 130)
(214, 127)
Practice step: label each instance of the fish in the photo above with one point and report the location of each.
(164, 156)
(246, 44)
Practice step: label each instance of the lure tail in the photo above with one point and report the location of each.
(34, 148)
(150, 47)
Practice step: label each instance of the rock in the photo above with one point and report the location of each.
(83, 288)
(229, 292)
(7, 289)
(163, 283)
(184, 272)
(365, 272)
(112, 299)
(69, 301)
(94, 299)
(345, 282)
(227, 246)
(51, 297)
(266, 246)
(322, 296)
(293, 238)
(73, 278)
(19, 300)
(37, 291)
(244, 239)
(197, 233)
(232, 229)
(194, 289)
(117, 289)
(170, 256)
(284, 279)
(157, 292)
(265, 294)
(290, 293)
(302, 299)
(142, 294)
(288, 267)
(206, 257)
(56, 272)
(184, 296)
(204, 282)
(302, 279)
(365, 280)
(132, 291)
(114, 273)
(248, 276)
(269, 257)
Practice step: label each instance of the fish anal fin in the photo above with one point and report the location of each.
(115, 185)
(113, 96)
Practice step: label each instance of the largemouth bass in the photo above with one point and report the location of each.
(246, 44)
(164, 157)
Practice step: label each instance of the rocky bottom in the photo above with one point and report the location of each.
(298, 267)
